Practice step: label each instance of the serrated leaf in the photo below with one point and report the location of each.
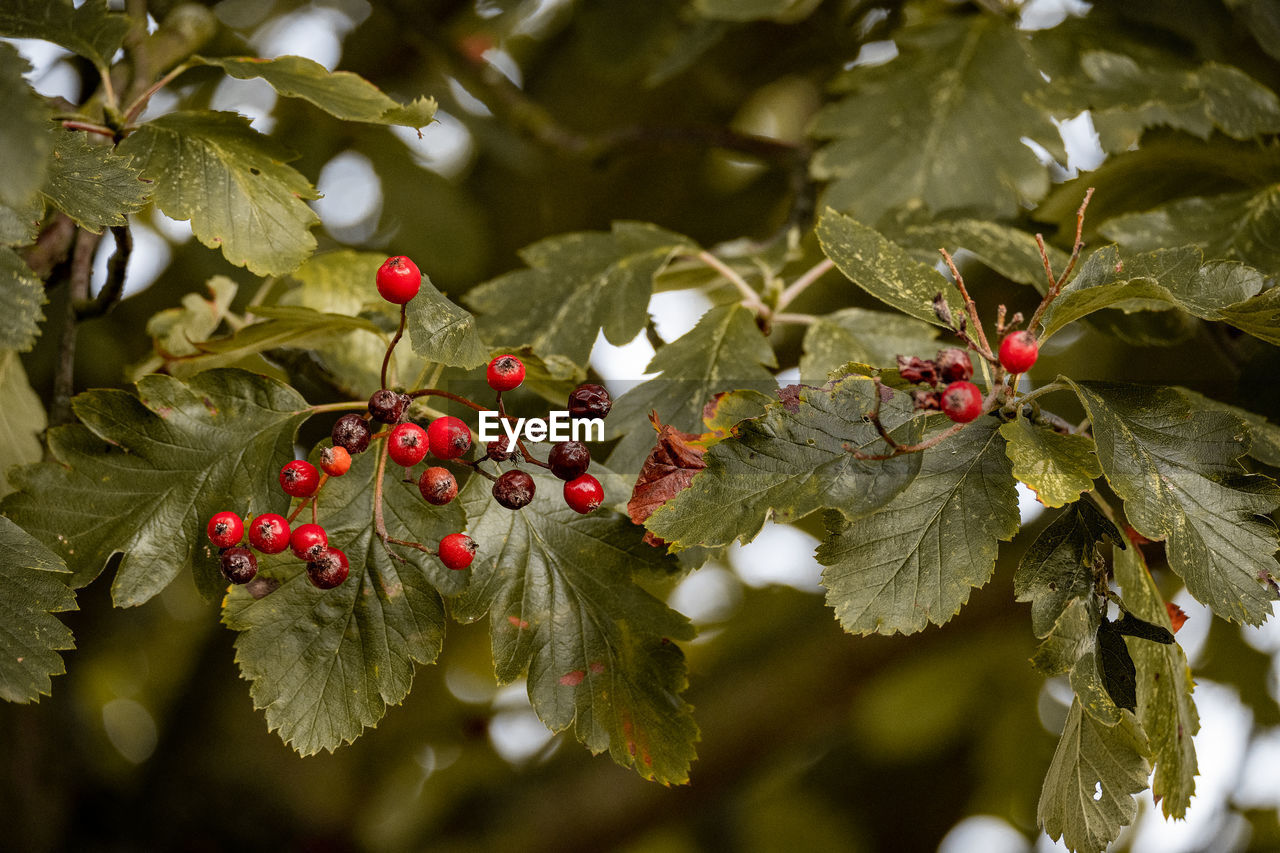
(784, 11)
(442, 332)
(1007, 250)
(1088, 792)
(564, 607)
(883, 268)
(175, 332)
(1058, 567)
(1242, 226)
(31, 589)
(1265, 444)
(576, 285)
(22, 419)
(1116, 667)
(1165, 705)
(725, 351)
(1259, 316)
(1057, 467)
(1177, 471)
(92, 184)
(232, 183)
(939, 126)
(875, 338)
(142, 476)
(667, 471)
(21, 300)
(325, 665)
(24, 134)
(915, 561)
(793, 460)
(1127, 97)
(342, 94)
(91, 30)
(20, 224)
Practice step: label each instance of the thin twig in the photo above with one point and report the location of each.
(386, 359)
(140, 103)
(803, 281)
(65, 373)
(972, 308)
(749, 297)
(338, 407)
(113, 287)
(798, 319)
(1055, 285)
(89, 127)
(436, 392)
(524, 451)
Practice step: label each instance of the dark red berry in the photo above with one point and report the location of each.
(351, 433)
(457, 550)
(927, 401)
(239, 565)
(962, 402)
(438, 486)
(569, 459)
(407, 445)
(449, 437)
(514, 489)
(505, 372)
(583, 494)
(335, 461)
(913, 370)
(953, 364)
(269, 533)
(398, 279)
(1018, 351)
(589, 401)
(307, 541)
(388, 406)
(329, 569)
(225, 529)
(299, 478)
(497, 450)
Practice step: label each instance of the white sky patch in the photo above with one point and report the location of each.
(1046, 14)
(446, 146)
(709, 595)
(253, 98)
(986, 833)
(315, 33)
(467, 101)
(781, 555)
(149, 258)
(1029, 508)
(352, 198)
(675, 312)
(50, 75)
(621, 367)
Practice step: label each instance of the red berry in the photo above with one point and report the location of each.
(335, 461)
(583, 494)
(457, 550)
(497, 450)
(407, 444)
(1018, 351)
(514, 489)
(329, 569)
(388, 406)
(225, 529)
(351, 433)
(239, 565)
(505, 372)
(449, 437)
(569, 459)
(962, 402)
(299, 478)
(307, 541)
(953, 364)
(398, 279)
(589, 400)
(438, 486)
(269, 533)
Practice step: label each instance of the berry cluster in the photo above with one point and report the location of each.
(959, 399)
(446, 439)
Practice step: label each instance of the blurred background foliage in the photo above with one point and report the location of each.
(812, 739)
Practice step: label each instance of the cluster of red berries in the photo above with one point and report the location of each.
(959, 399)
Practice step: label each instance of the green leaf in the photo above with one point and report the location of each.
(1007, 250)
(784, 11)
(1176, 470)
(20, 225)
(1073, 647)
(874, 338)
(1165, 705)
(21, 299)
(1119, 675)
(577, 284)
(31, 588)
(883, 268)
(22, 419)
(1127, 97)
(343, 94)
(791, 461)
(939, 126)
(1058, 567)
(232, 183)
(92, 184)
(175, 332)
(442, 332)
(24, 134)
(1057, 467)
(91, 30)
(915, 561)
(1259, 316)
(1131, 626)
(1088, 792)
(325, 665)
(142, 475)
(565, 608)
(1242, 226)
(725, 351)
(1265, 446)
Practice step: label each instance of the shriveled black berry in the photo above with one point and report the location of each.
(589, 401)
(953, 364)
(569, 459)
(514, 490)
(239, 565)
(329, 569)
(497, 450)
(388, 406)
(351, 433)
